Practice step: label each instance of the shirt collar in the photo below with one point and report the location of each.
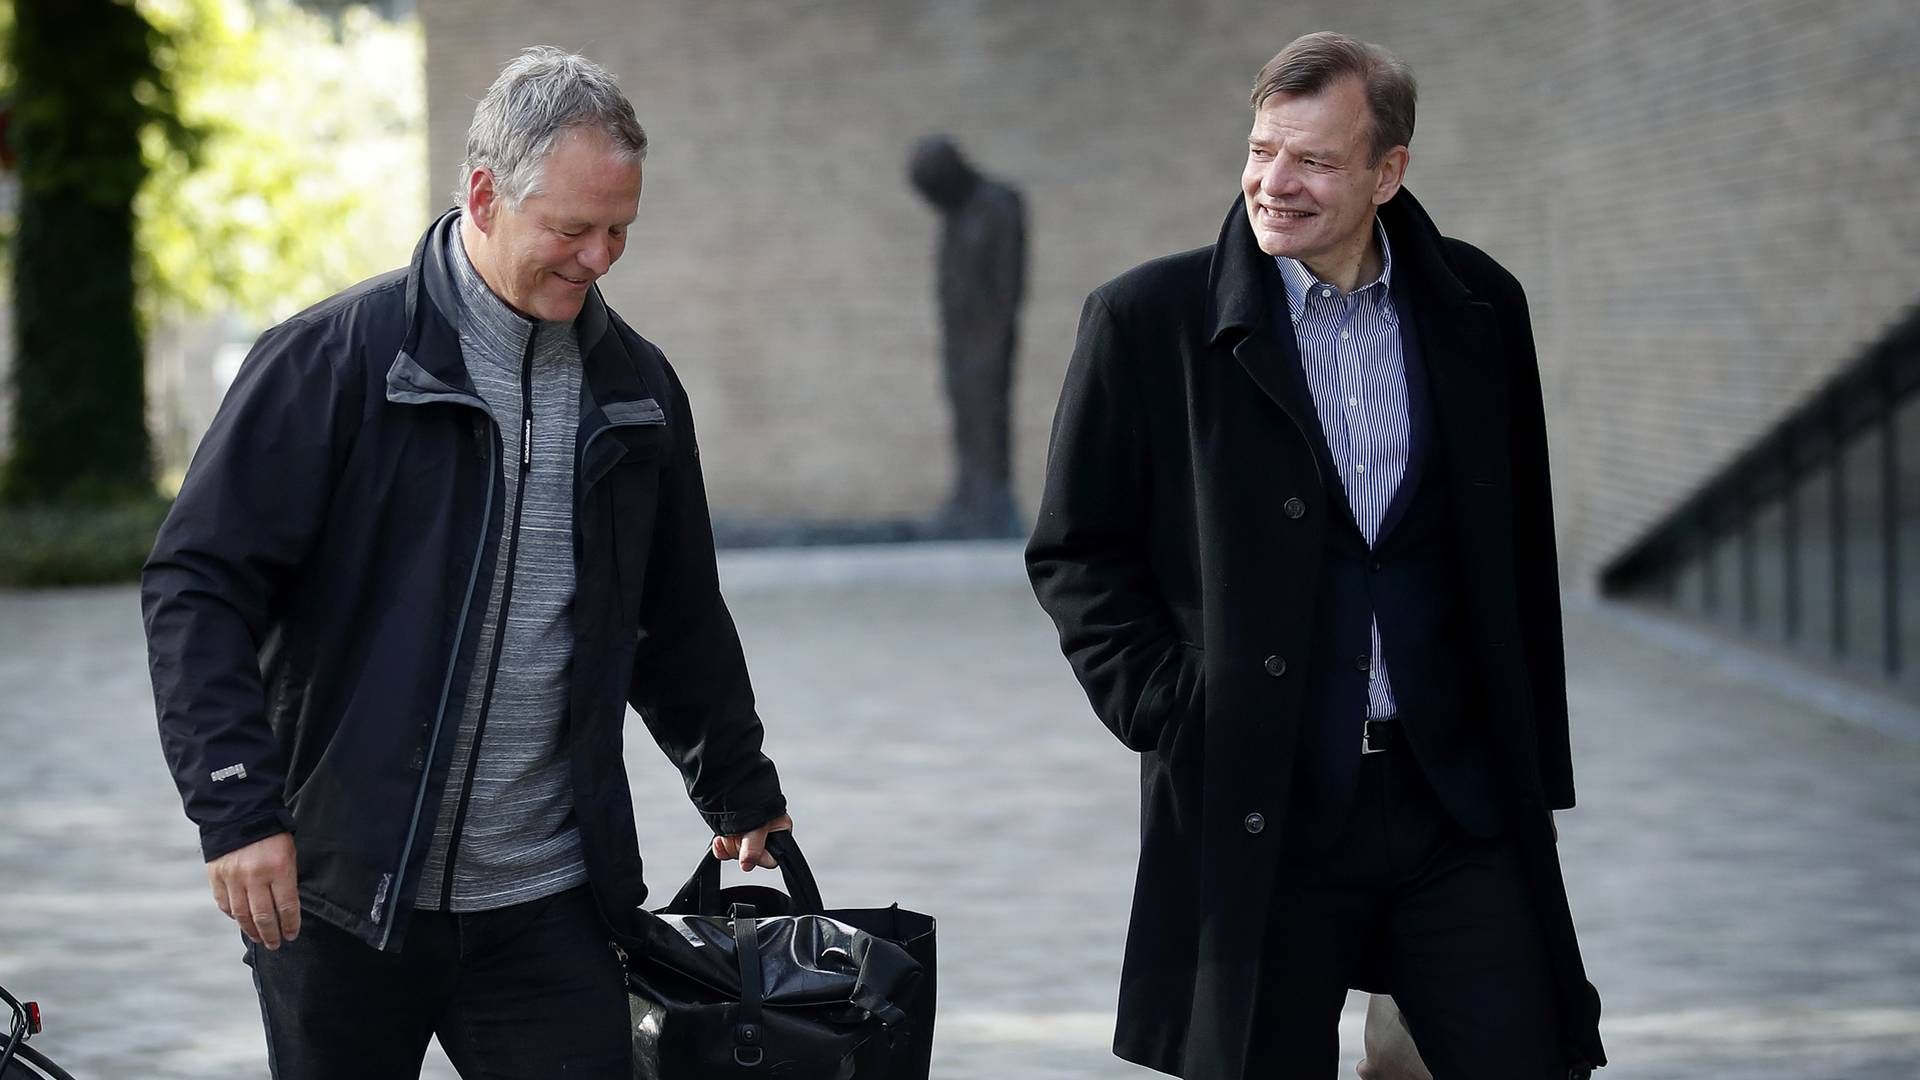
(1301, 282)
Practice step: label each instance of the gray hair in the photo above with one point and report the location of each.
(540, 95)
(1310, 63)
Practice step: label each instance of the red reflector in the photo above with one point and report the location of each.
(33, 1018)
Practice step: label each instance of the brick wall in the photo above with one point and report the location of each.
(1702, 199)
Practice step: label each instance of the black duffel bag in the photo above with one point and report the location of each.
(749, 981)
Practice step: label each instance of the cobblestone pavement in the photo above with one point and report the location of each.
(1744, 869)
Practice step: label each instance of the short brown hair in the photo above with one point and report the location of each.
(1311, 63)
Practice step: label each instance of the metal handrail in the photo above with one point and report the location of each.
(1857, 401)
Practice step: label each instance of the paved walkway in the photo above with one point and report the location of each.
(1744, 869)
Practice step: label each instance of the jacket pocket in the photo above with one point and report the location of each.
(1174, 696)
(636, 433)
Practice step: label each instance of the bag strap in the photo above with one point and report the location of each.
(747, 1049)
(701, 894)
(796, 873)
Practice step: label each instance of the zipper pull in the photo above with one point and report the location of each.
(526, 443)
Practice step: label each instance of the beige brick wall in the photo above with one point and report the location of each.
(1704, 201)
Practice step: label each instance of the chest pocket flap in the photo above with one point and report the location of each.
(634, 431)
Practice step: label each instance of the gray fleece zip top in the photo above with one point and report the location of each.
(506, 817)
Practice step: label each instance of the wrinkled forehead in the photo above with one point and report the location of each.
(1335, 117)
(586, 164)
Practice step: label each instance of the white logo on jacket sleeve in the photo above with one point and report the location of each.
(231, 772)
(380, 898)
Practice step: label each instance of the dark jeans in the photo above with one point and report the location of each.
(526, 992)
(1441, 917)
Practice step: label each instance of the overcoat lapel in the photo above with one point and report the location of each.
(1468, 388)
(1458, 340)
(1248, 312)
(1454, 344)
(1420, 441)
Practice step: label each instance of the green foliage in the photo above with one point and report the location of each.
(310, 171)
(285, 154)
(85, 88)
(276, 157)
(85, 84)
(77, 545)
(79, 406)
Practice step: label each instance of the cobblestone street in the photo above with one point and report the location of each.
(1743, 869)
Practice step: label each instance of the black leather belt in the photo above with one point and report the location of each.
(1378, 736)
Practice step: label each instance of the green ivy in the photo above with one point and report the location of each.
(85, 87)
(270, 157)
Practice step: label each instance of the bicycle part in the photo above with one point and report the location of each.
(31, 1064)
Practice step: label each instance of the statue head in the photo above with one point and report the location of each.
(940, 173)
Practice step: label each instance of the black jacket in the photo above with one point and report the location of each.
(1182, 536)
(312, 599)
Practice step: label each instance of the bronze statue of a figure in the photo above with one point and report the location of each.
(981, 281)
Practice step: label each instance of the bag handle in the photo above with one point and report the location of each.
(747, 1051)
(701, 894)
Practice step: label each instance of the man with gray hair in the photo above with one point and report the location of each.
(447, 525)
(1297, 536)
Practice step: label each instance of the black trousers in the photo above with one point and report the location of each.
(527, 992)
(1440, 917)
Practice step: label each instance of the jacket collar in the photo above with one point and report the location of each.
(430, 365)
(1239, 282)
(1447, 333)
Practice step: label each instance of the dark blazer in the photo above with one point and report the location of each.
(1179, 542)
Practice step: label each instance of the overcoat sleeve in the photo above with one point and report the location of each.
(1538, 577)
(689, 681)
(1090, 555)
(249, 511)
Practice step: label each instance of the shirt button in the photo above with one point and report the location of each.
(1353, 403)
(1360, 468)
(1255, 823)
(1326, 292)
(1276, 666)
(1294, 509)
(1344, 334)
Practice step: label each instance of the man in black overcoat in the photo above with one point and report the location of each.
(1297, 536)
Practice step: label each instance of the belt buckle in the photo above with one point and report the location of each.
(1366, 737)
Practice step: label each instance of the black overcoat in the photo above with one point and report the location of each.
(1179, 538)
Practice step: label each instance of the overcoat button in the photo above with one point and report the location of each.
(1276, 666)
(1255, 823)
(1363, 662)
(1294, 509)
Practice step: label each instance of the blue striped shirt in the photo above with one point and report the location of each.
(1350, 351)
